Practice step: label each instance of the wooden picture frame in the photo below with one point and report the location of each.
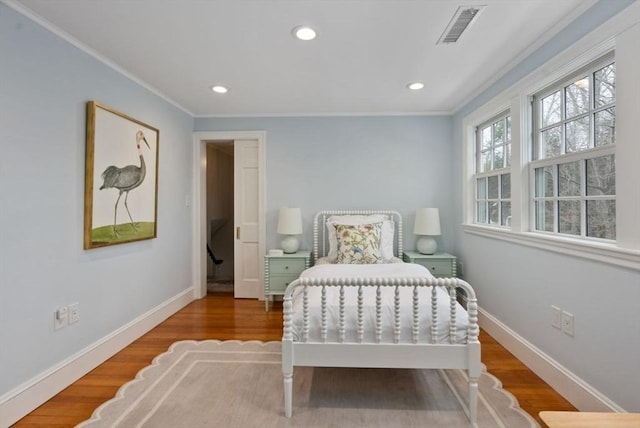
(121, 188)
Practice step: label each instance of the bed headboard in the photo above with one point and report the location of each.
(321, 241)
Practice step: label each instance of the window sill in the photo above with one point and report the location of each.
(602, 252)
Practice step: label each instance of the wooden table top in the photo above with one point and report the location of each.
(590, 420)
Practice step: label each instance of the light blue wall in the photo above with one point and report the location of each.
(518, 284)
(317, 163)
(44, 86)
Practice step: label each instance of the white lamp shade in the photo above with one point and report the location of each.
(290, 221)
(427, 222)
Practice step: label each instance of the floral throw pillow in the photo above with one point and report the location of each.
(359, 244)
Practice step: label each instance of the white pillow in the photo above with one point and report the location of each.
(386, 239)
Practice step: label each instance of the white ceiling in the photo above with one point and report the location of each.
(365, 54)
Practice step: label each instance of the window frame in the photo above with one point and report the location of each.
(538, 160)
(560, 86)
(481, 173)
(583, 198)
(626, 251)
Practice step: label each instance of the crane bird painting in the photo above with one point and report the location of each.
(125, 179)
(119, 180)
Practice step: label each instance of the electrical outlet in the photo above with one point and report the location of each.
(74, 313)
(556, 317)
(460, 268)
(60, 318)
(567, 323)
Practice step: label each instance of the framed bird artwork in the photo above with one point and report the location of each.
(121, 178)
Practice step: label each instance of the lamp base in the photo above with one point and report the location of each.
(426, 245)
(290, 244)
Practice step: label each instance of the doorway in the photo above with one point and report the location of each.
(220, 227)
(245, 220)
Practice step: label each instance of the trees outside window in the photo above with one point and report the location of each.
(573, 159)
(493, 175)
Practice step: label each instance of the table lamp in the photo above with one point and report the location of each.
(427, 225)
(290, 224)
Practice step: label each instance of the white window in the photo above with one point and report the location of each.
(574, 180)
(573, 161)
(493, 176)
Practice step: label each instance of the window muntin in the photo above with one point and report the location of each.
(577, 114)
(573, 159)
(495, 144)
(576, 198)
(493, 178)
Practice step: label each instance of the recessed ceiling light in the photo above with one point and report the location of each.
(303, 32)
(415, 86)
(219, 89)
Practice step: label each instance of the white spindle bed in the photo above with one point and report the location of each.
(362, 316)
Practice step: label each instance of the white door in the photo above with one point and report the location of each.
(247, 255)
(248, 263)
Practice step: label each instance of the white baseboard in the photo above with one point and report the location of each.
(22, 400)
(579, 393)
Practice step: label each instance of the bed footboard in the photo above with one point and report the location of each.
(332, 347)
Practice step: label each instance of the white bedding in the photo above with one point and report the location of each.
(390, 270)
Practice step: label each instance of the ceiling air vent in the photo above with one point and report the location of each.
(462, 19)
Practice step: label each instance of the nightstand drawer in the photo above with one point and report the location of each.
(288, 266)
(441, 265)
(279, 283)
(280, 271)
(438, 267)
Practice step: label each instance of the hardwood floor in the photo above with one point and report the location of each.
(220, 316)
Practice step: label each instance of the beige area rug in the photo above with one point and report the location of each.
(239, 384)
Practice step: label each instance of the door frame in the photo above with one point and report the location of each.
(199, 206)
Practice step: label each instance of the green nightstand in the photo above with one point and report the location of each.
(441, 265)
(280, 271)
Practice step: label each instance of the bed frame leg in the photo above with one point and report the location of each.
(287, 352)
(288, 394)
(473, 400)
(475, 366)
